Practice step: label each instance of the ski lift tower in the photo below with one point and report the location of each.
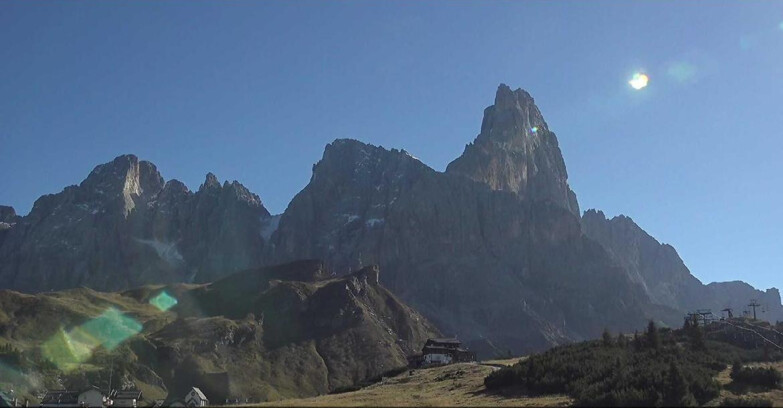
(754, 304)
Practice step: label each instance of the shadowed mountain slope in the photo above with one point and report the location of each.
(502, 268)
(663, 275)
(286, 331)
(123, 227)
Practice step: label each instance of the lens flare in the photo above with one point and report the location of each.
(534, 129)
(163, 301)
(112, 328)
(639, 81)
(68, 349)
(682, 71)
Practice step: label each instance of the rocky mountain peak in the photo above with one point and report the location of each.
(8, 219)
(233, 190)
(210, 182)
(348, 159)
(513, 116)
(598, 219)
(8, 214)
(133, 228)
(242, 193)
(125, 179)
(517, 152)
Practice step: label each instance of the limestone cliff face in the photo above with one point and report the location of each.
(123, 226)
(657, 267)
(664, 276)
(517, 152)
(502, 272)
(737, 295)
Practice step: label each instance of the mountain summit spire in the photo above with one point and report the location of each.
(513, 114)
(517, 152)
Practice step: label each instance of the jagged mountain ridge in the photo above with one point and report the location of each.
(492, 249)
(502, 272)
(286, 331)
(124, 227)
(663, 274)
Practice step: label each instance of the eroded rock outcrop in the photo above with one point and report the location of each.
(123, 227)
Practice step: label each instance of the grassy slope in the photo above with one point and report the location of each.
(453, 385)
(304, 338)
(463, 385)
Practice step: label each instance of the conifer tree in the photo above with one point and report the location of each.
(653, 337)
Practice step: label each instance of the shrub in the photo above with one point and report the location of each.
(651, 370)
(607, 338)
(763, 376)
(346, 388)
(746, 402)
(501, 378)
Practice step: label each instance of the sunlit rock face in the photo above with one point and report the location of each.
(517, 152)
(664, 276)
(124, 226)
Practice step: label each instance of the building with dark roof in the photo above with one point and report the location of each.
(60, 398)
(90, 397)
(444, 351)
(127, 398)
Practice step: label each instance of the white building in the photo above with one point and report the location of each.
(437, 358)
(196, 398)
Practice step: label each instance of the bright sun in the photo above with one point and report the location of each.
(639, 81)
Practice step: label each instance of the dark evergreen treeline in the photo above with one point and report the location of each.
(658, 368)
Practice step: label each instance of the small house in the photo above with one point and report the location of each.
(196, 398)
(445, 351)
(127, 398)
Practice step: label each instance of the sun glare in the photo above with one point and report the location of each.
(639, 81)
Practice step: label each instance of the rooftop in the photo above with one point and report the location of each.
(445, 341)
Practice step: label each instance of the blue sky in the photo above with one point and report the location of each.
(253, 91)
